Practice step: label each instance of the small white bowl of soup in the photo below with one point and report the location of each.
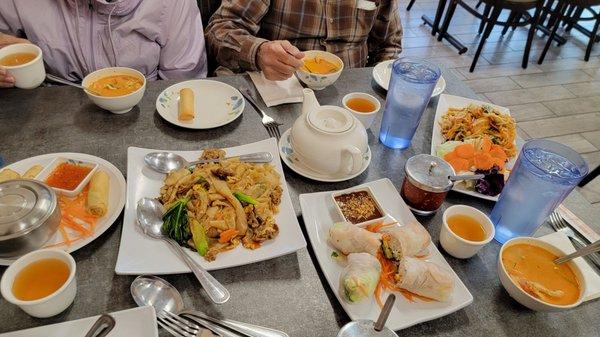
(25, 63)
(116, 89)
(42, 283)
(320, 69)
(528, 273)
(465, 230)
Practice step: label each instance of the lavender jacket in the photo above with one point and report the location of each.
(160, 38)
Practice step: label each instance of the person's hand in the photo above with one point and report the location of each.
(6, 80)
(278, 60)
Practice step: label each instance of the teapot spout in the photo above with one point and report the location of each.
(310, 102)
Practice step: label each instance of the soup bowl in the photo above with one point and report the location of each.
(320, 81)
(28, 75)
(116, 104)
(52, 304)
(521, 296)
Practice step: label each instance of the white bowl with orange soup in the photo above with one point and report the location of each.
(116, 89)
(42, 283)
(320, 69)
(527, 271)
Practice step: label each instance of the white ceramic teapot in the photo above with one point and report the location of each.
(328, 139)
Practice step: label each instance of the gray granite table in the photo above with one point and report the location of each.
(289, 293)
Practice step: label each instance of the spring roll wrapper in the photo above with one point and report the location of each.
(425, 278)
(33, 172)
(97, 199)
(360, 277)
(186, 104)
(8, 174)
(411, 239)
(349, 238)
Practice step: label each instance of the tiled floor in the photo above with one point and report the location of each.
(559, 99)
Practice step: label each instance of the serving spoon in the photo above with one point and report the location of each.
(149, 216)
(368, 328)
(65, 82)
(587, 250)
(162, 296)
(167, 162)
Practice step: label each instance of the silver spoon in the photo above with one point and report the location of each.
(149, 215)
(466, 177)
(367, 328)
(587, 250)
(167, 162)
(162, 296)
(63, 81)
(103, 325)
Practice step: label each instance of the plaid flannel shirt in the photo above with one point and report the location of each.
(359, 36)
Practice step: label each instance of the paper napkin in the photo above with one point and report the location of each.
(277, 92)
(591, 277)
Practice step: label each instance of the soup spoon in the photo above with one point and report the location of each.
(149, 216)
(587, 250)
(162, 296)
(367, 328)
(102, 326)
(65, 82)
(167, 162)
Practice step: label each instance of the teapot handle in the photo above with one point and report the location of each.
(357, 160)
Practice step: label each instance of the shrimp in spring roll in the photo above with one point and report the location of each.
(424, 278)
(97, 198)
(349, 238)
(411, 239)
(360, 277)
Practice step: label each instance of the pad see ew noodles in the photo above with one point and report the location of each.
(214, 207)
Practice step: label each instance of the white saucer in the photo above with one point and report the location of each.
(287, 155)
(382, 73)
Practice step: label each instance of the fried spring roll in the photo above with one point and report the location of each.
(33, 172)
(97, 198)
(8, 174)
(186, 104)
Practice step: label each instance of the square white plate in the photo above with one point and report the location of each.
(136, 322)
(319, 214)
(139, 254)
(446, 102)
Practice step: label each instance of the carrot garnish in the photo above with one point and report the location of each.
(376, 227)
(227, 235)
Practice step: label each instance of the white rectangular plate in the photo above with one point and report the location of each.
(139, 254)
(136, 322)
(319, 214)
(446, 102)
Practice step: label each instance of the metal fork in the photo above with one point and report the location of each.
(560, 225)
(270, 124)
(181, 327)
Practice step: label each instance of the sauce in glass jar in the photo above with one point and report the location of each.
(426, 183)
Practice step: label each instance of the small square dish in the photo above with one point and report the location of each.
(358, 206)
(67, 176)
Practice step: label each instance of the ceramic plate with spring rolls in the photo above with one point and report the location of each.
(92, 211)
(210, 104)
(345, 277)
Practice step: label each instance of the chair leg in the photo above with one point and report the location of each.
(575, 18)
(509, 21)
(533, 26)
(478, 4)
(447, 19)
(568, 13)
(438, 16)
(491, 22)
(591, 176)
(410, 4)
(559, 15)
(486, 14)
(588, 51)
(515, 22)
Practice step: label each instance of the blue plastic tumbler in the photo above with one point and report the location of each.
(544, 174)
(411, 85)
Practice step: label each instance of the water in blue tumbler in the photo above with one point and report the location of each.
(544, 174)
(411, 85)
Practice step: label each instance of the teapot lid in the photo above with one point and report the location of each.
(331, 119)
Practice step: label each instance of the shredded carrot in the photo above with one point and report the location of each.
(376, 227)
(227, 235)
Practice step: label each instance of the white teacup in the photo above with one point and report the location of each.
(456, 245)
(31, 74)
(52, 304)
(366, 118)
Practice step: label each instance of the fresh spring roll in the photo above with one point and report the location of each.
(349, 238)
(8, 174)
(360, 277)
(424, 278)
(97, 198)
(186, 104)
(33, 172)
(411, 239)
